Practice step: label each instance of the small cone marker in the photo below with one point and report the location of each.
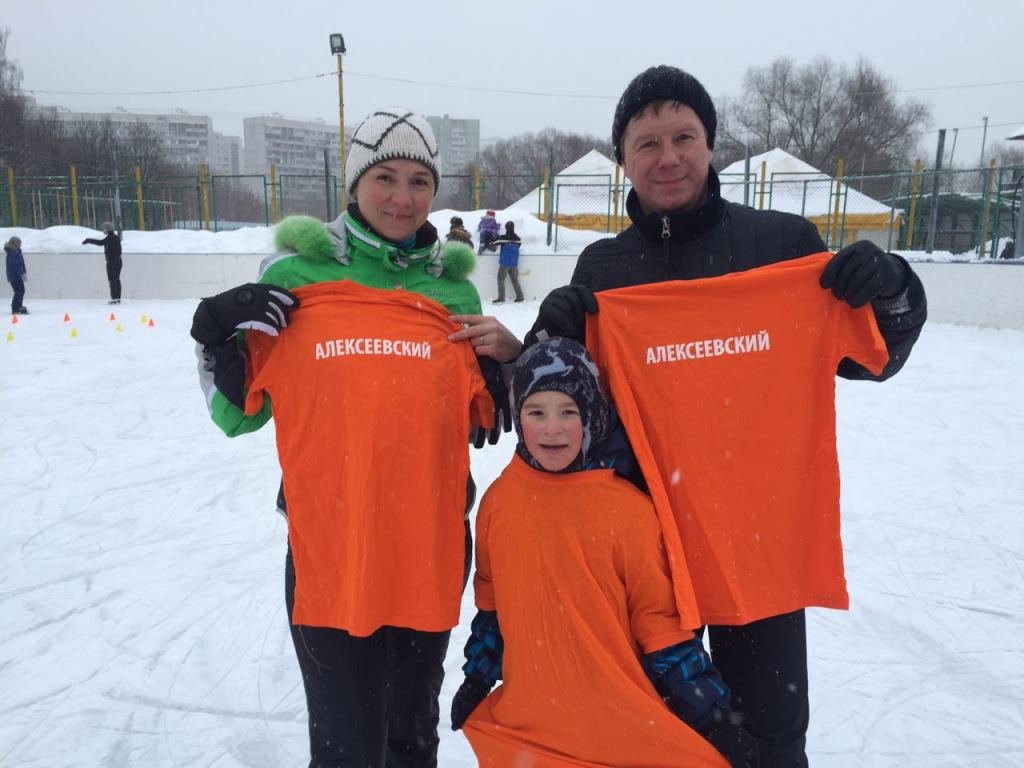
(143, 319)
(151, 324)
(67, 318)
(14, 319)
(74, 332)
(119, 329)
(113, 316)
(10, 335)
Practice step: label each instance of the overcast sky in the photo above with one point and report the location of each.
(515, 66)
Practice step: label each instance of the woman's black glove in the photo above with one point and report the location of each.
(496, 388)
(861, 272)
(251, 306)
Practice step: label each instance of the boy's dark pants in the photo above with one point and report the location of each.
(18, 286)
(765, 665)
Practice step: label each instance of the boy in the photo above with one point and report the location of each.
(589, 645)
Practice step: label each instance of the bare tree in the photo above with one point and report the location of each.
(822, 112)
(511, 168)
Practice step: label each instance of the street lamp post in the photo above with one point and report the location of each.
(338, 49)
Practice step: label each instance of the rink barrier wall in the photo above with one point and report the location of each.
(986, 295)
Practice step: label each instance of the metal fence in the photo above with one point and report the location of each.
(957, 210)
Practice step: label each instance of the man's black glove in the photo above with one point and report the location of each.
(472, 691)
(251, 306)
(735, 744)
(861, 272)
(564, 313)
(496, 388)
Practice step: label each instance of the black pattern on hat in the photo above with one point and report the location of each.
(659, 84)
(561, 365)
(389, 134)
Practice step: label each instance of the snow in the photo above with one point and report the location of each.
(802, 189)
(141, 587)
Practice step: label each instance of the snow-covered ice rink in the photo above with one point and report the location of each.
(142, 618)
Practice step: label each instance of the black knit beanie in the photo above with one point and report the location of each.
(657, 84)
(561, 365)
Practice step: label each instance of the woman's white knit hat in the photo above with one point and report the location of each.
(388, 134)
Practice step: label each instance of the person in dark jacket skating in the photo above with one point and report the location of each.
(16, 274)
(111, 243)
(663, 134)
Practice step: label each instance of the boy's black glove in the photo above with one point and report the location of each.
(735, 744)
(472, 691)
(497, 389)
(564, 313)
(251, 306)
(861, 272)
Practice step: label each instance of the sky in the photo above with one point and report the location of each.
(141, 559)
(542, 64)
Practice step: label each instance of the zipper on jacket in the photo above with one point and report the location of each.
(666, 232)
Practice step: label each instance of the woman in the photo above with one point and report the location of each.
(375, 567)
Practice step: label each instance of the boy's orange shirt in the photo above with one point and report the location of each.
(574, 566)
(372, 406)
(726, 387)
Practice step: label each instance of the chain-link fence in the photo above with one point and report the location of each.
(957, 210)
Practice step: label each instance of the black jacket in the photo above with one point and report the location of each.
(111, 245)
(723, 237)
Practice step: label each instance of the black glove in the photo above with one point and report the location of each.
(491, 370)
(564, 313)
(735, 744)
(253, 305)
(862, 272)
(472, 691)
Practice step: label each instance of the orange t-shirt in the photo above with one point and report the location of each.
(726, 387)
(574, 566)
(372, 406)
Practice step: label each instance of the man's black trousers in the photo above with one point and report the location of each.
(114, 276)
(765, 666)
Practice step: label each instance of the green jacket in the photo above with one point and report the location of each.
(312, 252)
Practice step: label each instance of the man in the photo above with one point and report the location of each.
(111, 243)
(663, 134)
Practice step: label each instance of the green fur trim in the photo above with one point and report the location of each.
(307, 236)
(458, 259)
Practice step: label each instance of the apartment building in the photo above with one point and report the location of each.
(459, 142)
(187, 136)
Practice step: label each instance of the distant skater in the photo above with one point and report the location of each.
(111, 243)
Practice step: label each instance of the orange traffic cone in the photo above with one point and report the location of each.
(14, 319)
(67, 318)
(113, 316)
(150, 324)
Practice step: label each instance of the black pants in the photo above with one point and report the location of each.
(18, 286)
(372, 701)
(114, 276)
(765, 665)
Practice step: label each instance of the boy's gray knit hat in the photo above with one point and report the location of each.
(389, 134)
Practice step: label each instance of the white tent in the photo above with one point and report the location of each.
(793, 186)
(585, 195)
